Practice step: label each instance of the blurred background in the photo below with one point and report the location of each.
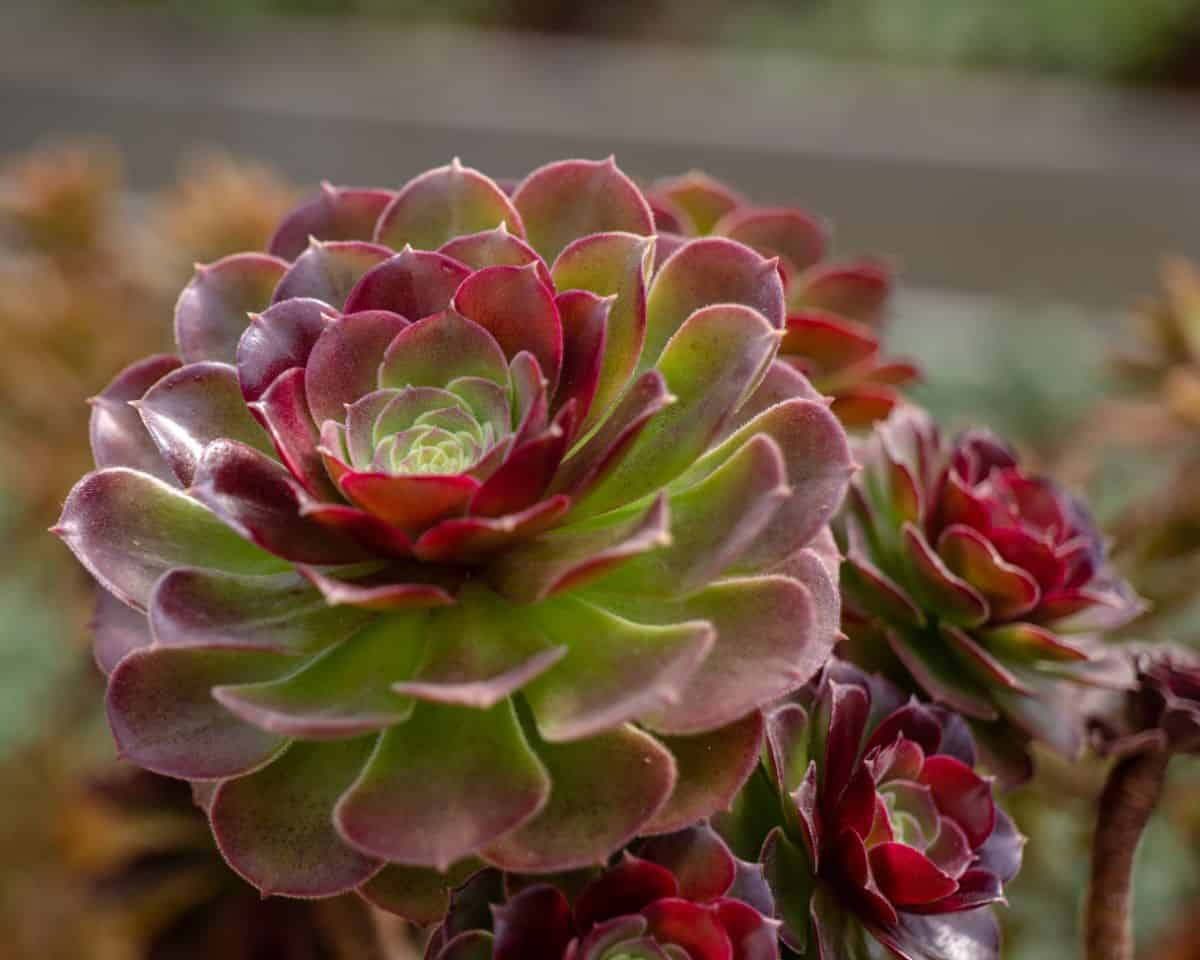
(1030, 165)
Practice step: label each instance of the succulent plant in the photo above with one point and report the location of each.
(835, 307)
(156, 881)
(978, 583)
(682, 895)
(1161, 713)
(492, 547)
(871, 821)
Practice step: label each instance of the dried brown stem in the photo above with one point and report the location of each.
(1130, 797)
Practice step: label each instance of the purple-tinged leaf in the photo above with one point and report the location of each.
(344, 691)
(278, 339)
(418, 894)
(605, 789)
(283, 410)
(611, 264)
(585, 320)
(281, 613)
(955, 600)
(712, 768)
(118, 436)
(495, 248)
(329, 271)
(212, 311)
(563, 201)
(163, 716)
(481, 650)
(336, 213)
(117, 630)
(566, 558)
(534, 925)
(257, 497)
(344, 362)
(1010, 591)
(777, 231)
(704, 272)
(471, 538)
(412, 283)
(275, 827)
(442, 204)
(698, 859)
(441, 348)
(941, 675)
(906, 876)
(518, 310)
(442, 784)
(128, 529)
(615, 670)
(391, 589)
(711, 365)
(412, 503)
(694, 928)
(193, 406)
(855, 289)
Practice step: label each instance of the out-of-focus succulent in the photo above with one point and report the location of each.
(158, 885)
(870, 819)
(978, 583)
(835, 307)
(682, 895)
(492, 547)
(1161, 713)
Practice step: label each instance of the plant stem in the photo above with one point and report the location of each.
(1130, 797)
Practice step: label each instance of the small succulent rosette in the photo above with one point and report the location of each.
(872, 823)
(683, 896)
(835, 307)
(979, 584)
(1161, 713)
(490, 547)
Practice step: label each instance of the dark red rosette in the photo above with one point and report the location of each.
(980, 583)
(871, 820)
(683, 896)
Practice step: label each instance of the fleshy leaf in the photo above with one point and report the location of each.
(518, 310)
(711, 365)
(703, 199)
(283, 410)
(614, 671)
(329, 271)
(585, 318)
(163, 716)
(480, 651)
(792, 881)
(611, 264)
(344, 362)
(712, 768)
(441, 348)
(604, 790)
(766, 647)
(118, 436)
(412, 503)
(342, 692)
(442, 204)
(275, 827)
(442, 784)
(570, 556)
(257, 498)
(906, 876)
(776, 231)
(117, 629)
(573, 198)
(213, 309)
(336, 213)
(709, 271)
(278, 339)
(281, 613)
(412, 283)
(698, 858)
(495, 248)
(955, 600)
(856, 290)
(194, 405)
(128, 528)
(418, 894)
(470, 538)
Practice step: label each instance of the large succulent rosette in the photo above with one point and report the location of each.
(835, 307)
(683, 896)
(871, 821)
(978, 583)
(490, 547)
